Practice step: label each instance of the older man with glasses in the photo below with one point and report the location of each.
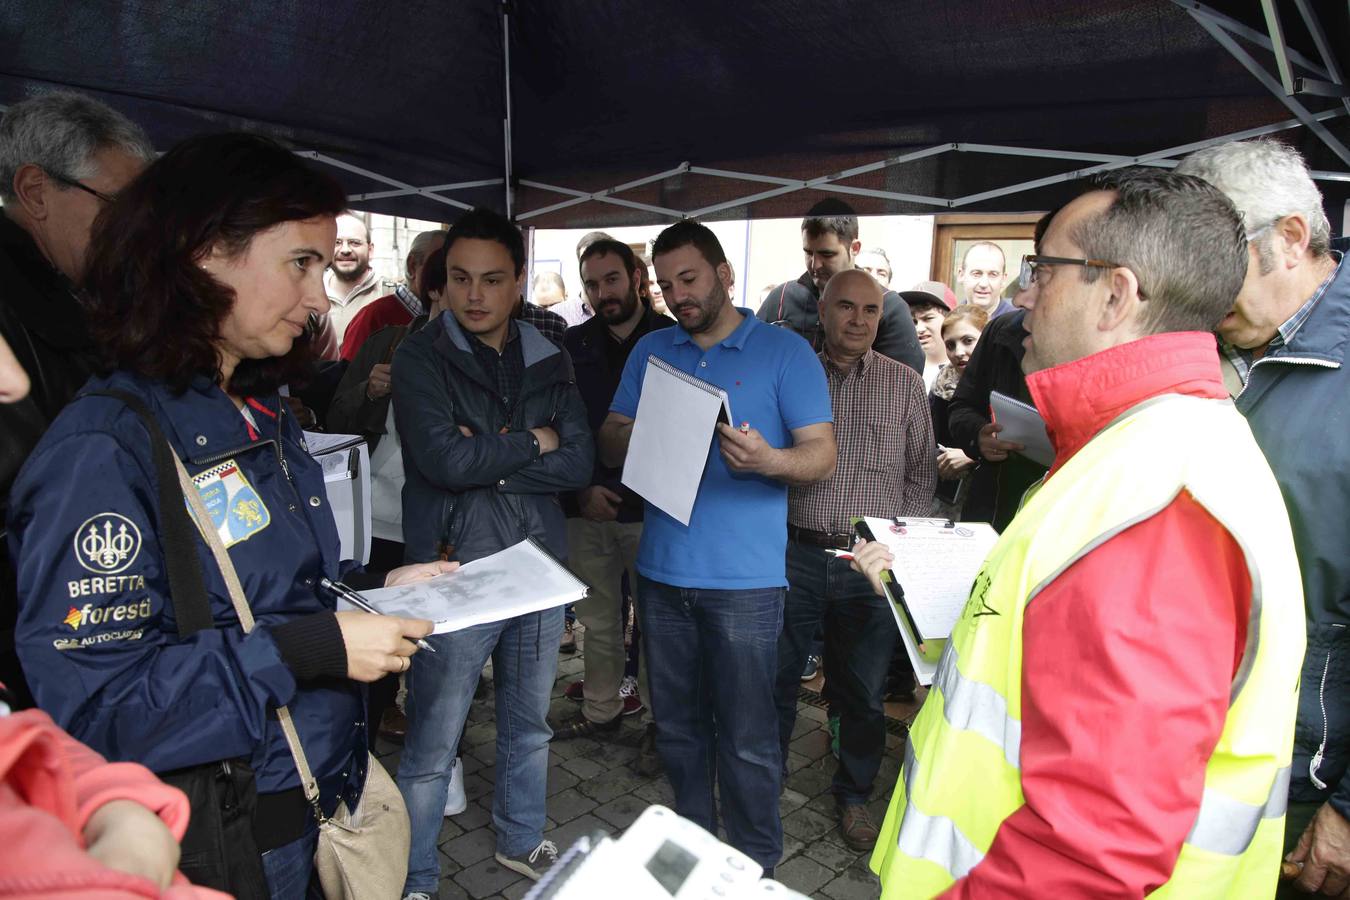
(63, 158)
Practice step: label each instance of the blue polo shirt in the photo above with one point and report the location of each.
(737, 535)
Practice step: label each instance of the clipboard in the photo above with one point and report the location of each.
(929, 650)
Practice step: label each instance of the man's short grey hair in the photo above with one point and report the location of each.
(422, 245)
(60, 131)
(1266, 180)
(1179, 235)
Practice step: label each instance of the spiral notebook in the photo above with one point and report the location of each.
(677, 416)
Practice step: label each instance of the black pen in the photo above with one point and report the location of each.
(362, 603)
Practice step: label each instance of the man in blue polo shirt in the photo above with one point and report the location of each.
(713, 591)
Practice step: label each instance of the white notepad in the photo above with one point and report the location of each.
(1022, 423)
(521, 579)
(677, 416)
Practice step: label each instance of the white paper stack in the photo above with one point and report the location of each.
(521, 579)
(677, 416)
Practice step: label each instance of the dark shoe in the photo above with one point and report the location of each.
(569, 639)
(575, 691)
(394, 724)
(534, 864)
(856, 825)
(580, 726)
(812, 667)
(648, 761)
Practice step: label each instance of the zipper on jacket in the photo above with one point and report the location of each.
(1316, 762)
(1288, 360)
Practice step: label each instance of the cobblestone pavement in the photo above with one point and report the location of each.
(592, 787)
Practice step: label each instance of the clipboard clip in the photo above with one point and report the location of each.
(900, 523)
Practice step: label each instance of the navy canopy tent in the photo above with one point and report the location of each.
(605, 112)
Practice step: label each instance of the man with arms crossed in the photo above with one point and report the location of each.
(712, 591)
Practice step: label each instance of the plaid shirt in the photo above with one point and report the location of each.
(506, 368)
(1241, 360)
(550, 324)
(886, 454)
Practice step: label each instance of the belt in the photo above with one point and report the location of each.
(835, 540)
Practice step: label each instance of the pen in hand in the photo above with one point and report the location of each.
(361, 603)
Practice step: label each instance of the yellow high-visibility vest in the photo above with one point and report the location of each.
(961, 775)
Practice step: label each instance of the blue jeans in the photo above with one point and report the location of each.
(711, 660)
(289, 869)
(860, 635)
(524, 653)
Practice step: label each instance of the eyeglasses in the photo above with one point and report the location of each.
(71, 182)
(1027, 277)
(354, 243)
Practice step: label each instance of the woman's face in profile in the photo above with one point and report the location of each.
(277, 282)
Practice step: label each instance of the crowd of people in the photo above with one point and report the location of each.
(1151, 724)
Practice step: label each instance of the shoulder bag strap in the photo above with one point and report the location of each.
(187, 586)
(202, 519)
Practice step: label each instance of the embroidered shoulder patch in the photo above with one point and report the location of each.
(236, 510)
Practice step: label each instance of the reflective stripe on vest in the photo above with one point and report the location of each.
(1227, 826)
(961, 775)
(974, 706)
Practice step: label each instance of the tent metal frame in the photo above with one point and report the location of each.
(1325, 80)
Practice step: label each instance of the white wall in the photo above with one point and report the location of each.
(762, 252)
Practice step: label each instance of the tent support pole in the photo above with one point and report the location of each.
(1276, 32)
(1261, 75)
(383, 179)
(1233, 26)
(1319, 37)
(506, 93)
(403, 192)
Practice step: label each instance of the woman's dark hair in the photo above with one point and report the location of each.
(434, 276)
(152, 308)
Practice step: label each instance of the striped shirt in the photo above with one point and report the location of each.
(886, 454)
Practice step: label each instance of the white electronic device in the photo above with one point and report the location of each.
(661, 856)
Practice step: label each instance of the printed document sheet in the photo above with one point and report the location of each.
(521, 579)
(935, 565)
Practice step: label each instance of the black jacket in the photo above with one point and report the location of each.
(470, 497)
(41, 320)
(996, 489)
(586, 345)
(796, 303)
(351, 411)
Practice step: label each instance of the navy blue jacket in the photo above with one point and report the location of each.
(1297, 401)
(97, 634)
(473, 496)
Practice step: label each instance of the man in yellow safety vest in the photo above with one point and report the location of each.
(1114, 713)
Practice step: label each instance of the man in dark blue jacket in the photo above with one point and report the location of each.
(830, 244)
(492, 428)
(604, 520)
(1285, 350)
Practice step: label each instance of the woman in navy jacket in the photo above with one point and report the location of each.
(201, 278)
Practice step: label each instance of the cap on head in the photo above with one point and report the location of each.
(930, 293)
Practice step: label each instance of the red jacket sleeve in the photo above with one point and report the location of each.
(360, 328)
(1128, 660)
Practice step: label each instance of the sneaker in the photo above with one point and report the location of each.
(417, 895)
(455, 801)
(812, 667)
(532, 865)
(857, 827)
(833, 724)
(569, 639)
(628, 692)
(579, 726)
(648, 761)
(575, 691)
